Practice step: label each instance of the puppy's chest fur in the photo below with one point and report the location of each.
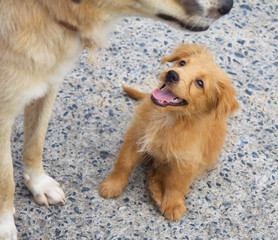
(166, 138)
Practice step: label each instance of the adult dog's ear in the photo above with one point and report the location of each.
(76, 1)
(227, 102)
(183, 50)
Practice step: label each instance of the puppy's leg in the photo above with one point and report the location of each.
(113, 185)
(154, 182)
(175, 186)
(7, 185)
(44, 189)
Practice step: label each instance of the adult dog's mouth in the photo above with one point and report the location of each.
(164, 97)
(193, 28)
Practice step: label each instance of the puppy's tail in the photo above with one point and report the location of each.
(134, 93)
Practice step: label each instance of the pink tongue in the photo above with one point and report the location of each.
(163, 95)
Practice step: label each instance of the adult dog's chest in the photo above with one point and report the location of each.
(46, 75)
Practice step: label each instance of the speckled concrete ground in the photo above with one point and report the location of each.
(237, 199)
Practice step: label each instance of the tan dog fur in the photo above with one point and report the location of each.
(40, 40)
(183, 141)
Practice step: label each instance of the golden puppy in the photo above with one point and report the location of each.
(181, 126)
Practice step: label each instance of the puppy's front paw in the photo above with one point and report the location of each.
(173, 211)
(45, 190)
(112, 186)
(7, 227)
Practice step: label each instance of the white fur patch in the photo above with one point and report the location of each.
(45, 190)
(7, 227)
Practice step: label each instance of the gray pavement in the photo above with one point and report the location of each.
(237, 199)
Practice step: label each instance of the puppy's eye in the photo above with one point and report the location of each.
(199, 83)
(182, 63)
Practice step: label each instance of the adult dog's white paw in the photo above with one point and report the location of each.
(45, 190)
(7, 227)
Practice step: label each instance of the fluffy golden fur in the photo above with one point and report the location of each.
(40, 40)
(181, 127)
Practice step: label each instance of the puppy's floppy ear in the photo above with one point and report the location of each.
(227, 102)
(183, 50)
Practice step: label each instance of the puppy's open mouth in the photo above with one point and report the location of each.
(165, 97)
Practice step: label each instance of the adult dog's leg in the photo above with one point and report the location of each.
(45, 190)
(7, 185)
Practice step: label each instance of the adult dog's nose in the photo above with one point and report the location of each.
(172, 77)
(225, 7)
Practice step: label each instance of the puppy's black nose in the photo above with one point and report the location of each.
(226, 6)
(172, 77)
